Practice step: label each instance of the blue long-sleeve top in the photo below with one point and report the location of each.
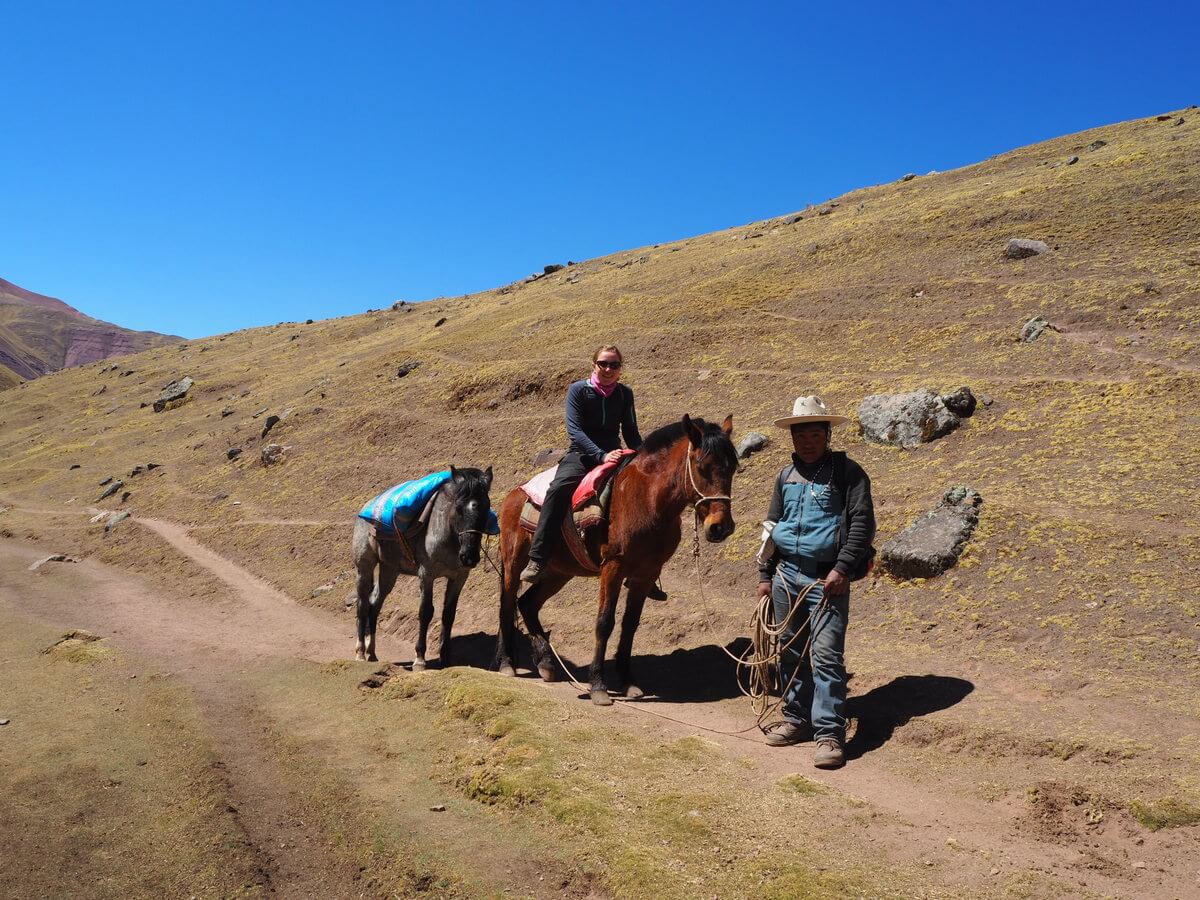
(593, 421)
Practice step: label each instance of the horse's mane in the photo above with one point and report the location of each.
(715, 442)
(471, 484)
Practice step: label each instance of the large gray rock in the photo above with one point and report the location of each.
(173, 394)
(1022, 248)
(933, 543)
(751, 443)
(905, 420)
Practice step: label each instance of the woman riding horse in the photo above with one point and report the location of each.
(596, 408)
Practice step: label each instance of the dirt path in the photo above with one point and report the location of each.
(210, 641)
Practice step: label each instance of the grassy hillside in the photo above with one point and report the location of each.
(1086, 459)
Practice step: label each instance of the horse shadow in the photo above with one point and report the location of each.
(702, 674)
(882, 710)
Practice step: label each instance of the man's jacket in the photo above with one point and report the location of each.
(857, 528)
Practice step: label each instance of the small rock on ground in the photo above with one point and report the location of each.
(53, 557)
(1032, 330)
(115, 519)
(1023, 248)
(407, 367)
(752, 443)
(173, 393)
(111, 489)
(272, 453)
(548, 457)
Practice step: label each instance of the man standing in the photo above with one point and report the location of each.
(818, 532)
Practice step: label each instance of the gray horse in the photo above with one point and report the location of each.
(447, 547)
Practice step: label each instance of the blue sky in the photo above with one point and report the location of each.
(197, 168)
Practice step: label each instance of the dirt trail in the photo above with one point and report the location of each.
(208, 640)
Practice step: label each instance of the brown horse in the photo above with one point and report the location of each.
(686, 463)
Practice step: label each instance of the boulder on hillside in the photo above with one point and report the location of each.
(1032, 330)
(406, 368)
(909, 177)
(961, 402)
(905, 420)
(272, 453)
(933, 543)
(173, 394)
(268, 424)
(548, 457)
(752, 443)
(1023, 248)
(115, 519)
(1096, 145)
(552, 268)
(110, 490)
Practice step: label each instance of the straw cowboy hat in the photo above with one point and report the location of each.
(810, 409)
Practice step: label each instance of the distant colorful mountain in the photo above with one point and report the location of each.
(40, 334)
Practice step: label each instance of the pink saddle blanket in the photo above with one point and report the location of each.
(535, 488)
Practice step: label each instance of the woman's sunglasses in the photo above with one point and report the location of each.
(608, 364)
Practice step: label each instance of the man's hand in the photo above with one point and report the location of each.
(612, 456)
(764, 588)
(836, 583)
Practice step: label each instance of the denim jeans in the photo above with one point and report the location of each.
(817, 695)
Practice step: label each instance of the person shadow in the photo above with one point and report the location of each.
(880, 711)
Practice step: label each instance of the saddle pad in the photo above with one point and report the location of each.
(593, 481)
(398, 508)
(535, 488)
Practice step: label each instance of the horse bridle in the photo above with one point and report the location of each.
(699, 493)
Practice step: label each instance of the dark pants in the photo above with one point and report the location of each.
(557, 506)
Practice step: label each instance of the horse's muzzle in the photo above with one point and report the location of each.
(716, 531)
(470, 560)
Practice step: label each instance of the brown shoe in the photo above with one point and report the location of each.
(532, 572)
(829, 753)
(785, 734)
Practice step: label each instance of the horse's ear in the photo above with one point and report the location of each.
(454, 476)
(487, 477)
(692, 430)
(727, 425)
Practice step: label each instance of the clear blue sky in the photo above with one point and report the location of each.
(200, 167)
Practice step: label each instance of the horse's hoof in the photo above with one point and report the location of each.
(371, 657)
(633, 692)
(418, 665)
(547, 673)
(600, 697)
(360, 656)
(507, 671)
